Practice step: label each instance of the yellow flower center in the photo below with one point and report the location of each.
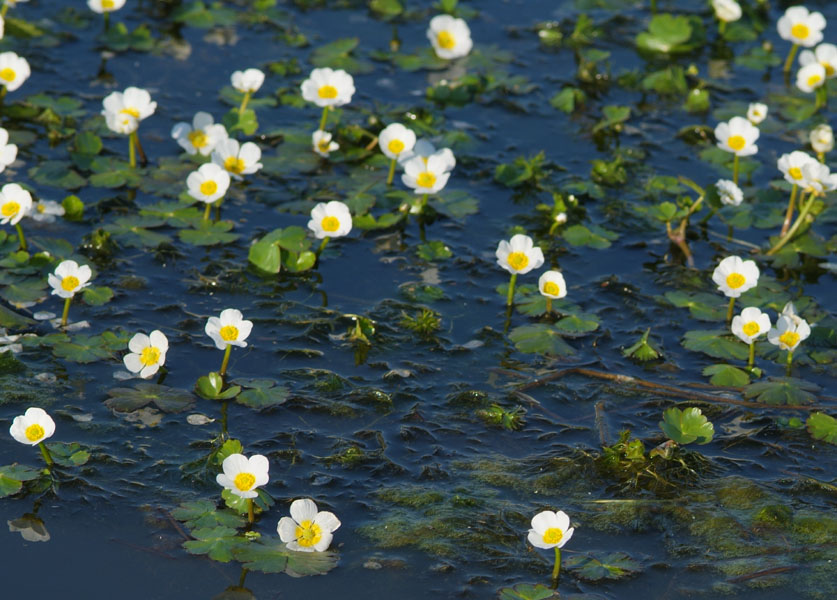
(552, 535)
(330, 224)
(426, 179)
(107, 4)
(327, 91)
(446, 40)
(551, 288)
(736, 142)
(69, 283)
(233, 164)
(208, 187)
(149, 356)
(198, 138)
(229, 333)
(130, 110)
(750, 329)
(789, 339)
(244, 481)
(518, 260)
(814, 80)
(40, 208)
(829, 70)
(396, 146)
(324, 145)
(795, 172)
(800, 31)
(8, 74)
(34, 432)
(735, 280)
(308, 534)
(10, 209)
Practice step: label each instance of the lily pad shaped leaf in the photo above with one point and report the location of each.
(717, 344)
(525, 591)
(597, 566)
(687, 426)
(203, 514)
(167, 399)
(786, 390)
(216, 542)
(274, 557)
(540, 339)
(822, 427)
(727, 376)
(13, 476)
(666, 33)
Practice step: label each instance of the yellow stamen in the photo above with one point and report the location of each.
(130, 110)
(829, 70)
(107, 4)
(9, 209)
(446, 40)
(552, 535)
(308, 534)
(814, 80)
(795, 172)
(551, 288)
(330, 224)
(396, 146)
(736, 280)
(244, 481)
(229, 333)
(69, 283)
(800, 31)
(233, 164)
(208, 187)
(736, 142)
(426, 179)
(518, 260)
(324, 146)
(8, 74)
(197, 138)
(789, 339)
(41, 208)
(34, 432)
(149, 356)
(750, 329)
(327, 92)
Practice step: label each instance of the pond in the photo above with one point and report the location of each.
(385, 377)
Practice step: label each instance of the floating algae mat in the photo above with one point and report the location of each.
(499, 299)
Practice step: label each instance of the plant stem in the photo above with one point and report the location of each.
(324, 119)
(790, 360)
(3, 91)
(244, 102)
(322, 245)
(803, 214)
(653, 6)
(391, 171)
(789, 59)
(510, 297)
(132, 155)
(251, 513)
(789, 212)
(556, 569)
(207, 211)
(21, 239)
(4, 10)
(243, 577)
(821, 97)
(821, 157)
(548, 305)
(140, 151)
(722, 27)
(224, 406)
(730, 309)
(735, 170)
(106, 19)
(45, 452)
(752, 357)
(226, 360)
(66, 311)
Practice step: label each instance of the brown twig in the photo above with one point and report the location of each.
(764, 573)
(600, 423)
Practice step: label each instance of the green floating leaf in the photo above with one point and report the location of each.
(245, 122)
(83, 349)
(211, 387)
(57, 174)
(11, 319)
(13, 476)
(601, 566)
(643, 350)
(787, 390)
(218, 543)
(687, 426)
(97, 295)
(228, 448)
(203, 514)
(266, 255)
(167, 399)
(540, 339)
(68, 455)
(727, 376)
(666, 33)
(209, 234)
(525, 591)
(274, 557)
(822, 427)
(386, 9)
(716, 343)
(296, 263)
(433, 250)
(568, 99)
(577, 324)
(594, 237)
(702, 306)
(263, 398)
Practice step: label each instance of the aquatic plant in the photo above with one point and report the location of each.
(551, 530)
(307, 529)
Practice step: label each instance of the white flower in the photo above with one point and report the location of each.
(550, 529)
(228, 329)
(15, 203)
(307, 530)
(801, 27)
(330, 220)
(148, 353)
(817, 177)
(810, 77)
(789, 311)
(105, 6)
(32, 427)
(426, 176)
(824, 54)
(248, 81)
(209, 183)
(120, 122)
(201, 136)
(46, 211)
(551, 284)
(237, 160)
(788, 332)
(756, 112)
(8, 152)
(395, 140)
(69, 278)
(738, 136)
(14, 70)
(133, 101)
(425, 149)
(791, 165)
(326, 87)
(322, 144)
(561, 218)
(2, 27)
(822, 138)
(450, 37)
(750, 324)
(243, 475)
(519, 255)
(727, 10)
(734, 276)
(730, 194)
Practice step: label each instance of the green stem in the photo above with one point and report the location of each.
(391, 171)
(803, 214)
(3, 91)
(224, 406)
(323, 245)
(510, 297)
(66, 311)
(752, 357)
(424, 199)
(821, 157)
(820, 97)
(789, 59)
(4, 10)
(244, 102)
(735, 170)
(107, 20)
(722, 27)
(132, 153)
(226, 360)
(207, 211)
(556, 569)
(324, 119)
(790, 360)
(548, 305)
(251, 512)
(654, 6)
(730, 309)
(21, 239)
(140, 151)
(45, 452)
(789, 211)
(243, 577)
